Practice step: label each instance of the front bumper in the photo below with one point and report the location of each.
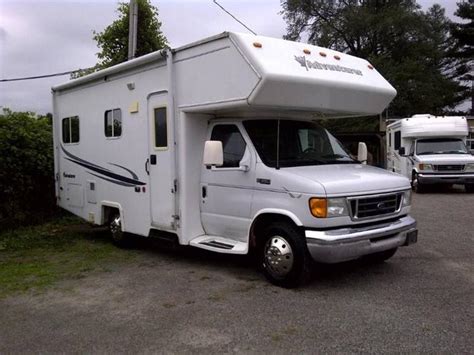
(337, 245)
(425, 178)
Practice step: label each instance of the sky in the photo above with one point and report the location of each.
(43, 36)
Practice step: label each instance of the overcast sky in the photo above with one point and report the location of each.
(42, 37)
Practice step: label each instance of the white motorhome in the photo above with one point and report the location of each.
(213, 144)
(431, 150)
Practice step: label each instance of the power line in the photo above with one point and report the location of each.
(42, 76)
(235, 18)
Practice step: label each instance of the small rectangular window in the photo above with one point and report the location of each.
(161, 128)
(70, 128)
(389, 139)
(113, 123)
(398, 140)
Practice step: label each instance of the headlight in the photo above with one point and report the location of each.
(469, 167)
(406, 198)
(330, 207)
(422, 166)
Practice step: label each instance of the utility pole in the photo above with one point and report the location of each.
(132, 28)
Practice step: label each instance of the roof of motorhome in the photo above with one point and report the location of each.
(276, 73)
(425, 125)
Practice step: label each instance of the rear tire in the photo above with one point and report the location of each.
(284, 256)
(380, 257)
(119, 237)
(469, 188)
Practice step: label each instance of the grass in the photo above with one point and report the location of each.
(35, 258)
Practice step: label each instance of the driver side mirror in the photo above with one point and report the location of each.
(213, 154)
(401, 151)
(362, 153)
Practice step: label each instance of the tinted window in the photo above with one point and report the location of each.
(398, 140)
(70, 128)
(113, 123)
(232, 142)
(161, 130)
(440, 146)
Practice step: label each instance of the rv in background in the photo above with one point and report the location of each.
(431, 150)
(214, 145)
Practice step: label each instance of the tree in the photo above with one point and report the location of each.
(410, 47)
(113, 40)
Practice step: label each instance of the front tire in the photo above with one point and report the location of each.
(415, 184)
(284, 256)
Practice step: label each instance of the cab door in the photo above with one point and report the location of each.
(160, 162)
(227, 191)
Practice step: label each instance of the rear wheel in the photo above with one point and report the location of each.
(119, 237)
(469, 188)
(381, 256)
(284, 256)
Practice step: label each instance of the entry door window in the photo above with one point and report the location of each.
(161, 128)
(232, 142)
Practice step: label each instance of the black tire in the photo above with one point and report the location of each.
(380, 257)
(284, 257)
(415, 184)
(469, 188)
(119, 237)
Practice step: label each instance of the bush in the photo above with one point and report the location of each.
(26, 169)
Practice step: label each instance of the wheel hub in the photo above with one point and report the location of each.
(278, 256)
(116, 226)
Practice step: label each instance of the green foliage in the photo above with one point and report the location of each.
(26, 174)
(411, 48)
(463, 33)
(113, 40)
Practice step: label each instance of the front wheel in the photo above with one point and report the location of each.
(284, 256)
(119, 237)
(415, 183)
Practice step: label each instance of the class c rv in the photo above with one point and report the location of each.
(215, 145)
(431, 150)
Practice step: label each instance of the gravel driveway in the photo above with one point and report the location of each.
(186, 301)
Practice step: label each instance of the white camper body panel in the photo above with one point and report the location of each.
(227, 76)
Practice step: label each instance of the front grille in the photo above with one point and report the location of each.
(449, 167)
(366, 207)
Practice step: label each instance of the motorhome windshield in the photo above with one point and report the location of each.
(300, 143)
(440, 146)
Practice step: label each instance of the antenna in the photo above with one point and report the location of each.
(235, 18)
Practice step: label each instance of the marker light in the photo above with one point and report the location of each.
(322, 54)
(257, 44)
(318, 207)
(337, 57)
(370, 67)
(306, 51)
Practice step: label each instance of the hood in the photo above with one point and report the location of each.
(351, 179)
(446, 158)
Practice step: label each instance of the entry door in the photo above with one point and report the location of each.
(227, 191)
(160, 162)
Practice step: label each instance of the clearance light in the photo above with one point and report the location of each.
(322, 54)
(370, 67)
(337, 57)
(306, 51)
(257, 44)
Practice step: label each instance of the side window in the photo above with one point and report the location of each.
(390, 139)
(161, 128)
(398, 140)
(412, 149)
(232, 142)
(70, 128)
(113, 123)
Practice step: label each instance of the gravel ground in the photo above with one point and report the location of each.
(187, 301)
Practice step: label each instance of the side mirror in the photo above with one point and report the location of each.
(401, 151)
(213, 154)
(362, 153)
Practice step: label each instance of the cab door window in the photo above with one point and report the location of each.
(233, 144)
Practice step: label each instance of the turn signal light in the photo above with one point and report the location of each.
(257, 44)
(318, 207)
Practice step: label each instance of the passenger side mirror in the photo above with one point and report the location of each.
(213, 154)
(401, 151)
(362, 153)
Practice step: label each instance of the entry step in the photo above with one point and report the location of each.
(219, 244)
